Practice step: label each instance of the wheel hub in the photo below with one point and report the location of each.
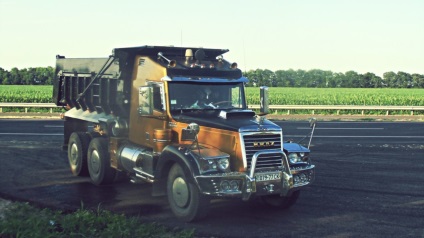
(74, 154)
(180, 192)
(94, 162)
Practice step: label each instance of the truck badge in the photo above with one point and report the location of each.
(263, 144)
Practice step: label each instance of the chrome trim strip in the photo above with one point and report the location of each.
(295, 171)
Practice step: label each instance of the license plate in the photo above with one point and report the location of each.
(267, 177)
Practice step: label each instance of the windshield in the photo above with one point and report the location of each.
(186, 95)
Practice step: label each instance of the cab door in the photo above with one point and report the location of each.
(151, 114)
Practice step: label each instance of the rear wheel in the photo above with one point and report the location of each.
(99, 162)
(77, 153)
(184, 197)
(281, 202)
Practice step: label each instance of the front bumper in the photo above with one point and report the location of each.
(258, 183)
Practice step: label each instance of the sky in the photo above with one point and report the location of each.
(374, 36)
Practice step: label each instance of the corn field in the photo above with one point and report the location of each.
(26, 93)
(340, 96)
(277, 96)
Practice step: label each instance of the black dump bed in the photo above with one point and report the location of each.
(78, 84)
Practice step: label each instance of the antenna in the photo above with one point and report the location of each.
(244, 56)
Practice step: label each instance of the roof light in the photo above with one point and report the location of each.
(188, 55)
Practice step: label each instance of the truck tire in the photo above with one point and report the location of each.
(77, 153)
(98, 159)
(185, 199)
(281, 202)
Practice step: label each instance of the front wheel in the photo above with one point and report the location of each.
(184, 197)
(281, 202)
(98, 159)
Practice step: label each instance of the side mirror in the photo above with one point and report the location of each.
(264, 107)
(194, 128)
(145, 101)
(190, 133)
(312, 122)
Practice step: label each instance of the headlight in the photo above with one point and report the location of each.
(294, 158)
(305, 157)
(225, 185)
(234, 186)
(230, 186)
(223, 164)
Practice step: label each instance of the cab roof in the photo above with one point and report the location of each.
(169, 51)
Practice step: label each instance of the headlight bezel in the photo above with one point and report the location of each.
(211, 160)
(297, 157)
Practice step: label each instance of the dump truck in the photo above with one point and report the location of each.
(176, 117)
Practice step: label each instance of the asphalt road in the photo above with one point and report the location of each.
(369, 183)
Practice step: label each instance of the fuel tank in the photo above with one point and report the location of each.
(133, 158)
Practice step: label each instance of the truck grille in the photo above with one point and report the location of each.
(259, 142)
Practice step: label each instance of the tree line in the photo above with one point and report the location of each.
(327, 79)
(30, 76)
(260, 77)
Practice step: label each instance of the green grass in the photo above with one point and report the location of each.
(23, 220)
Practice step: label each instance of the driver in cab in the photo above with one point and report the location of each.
(205, 98)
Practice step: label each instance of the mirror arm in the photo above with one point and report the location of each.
(312, 122)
